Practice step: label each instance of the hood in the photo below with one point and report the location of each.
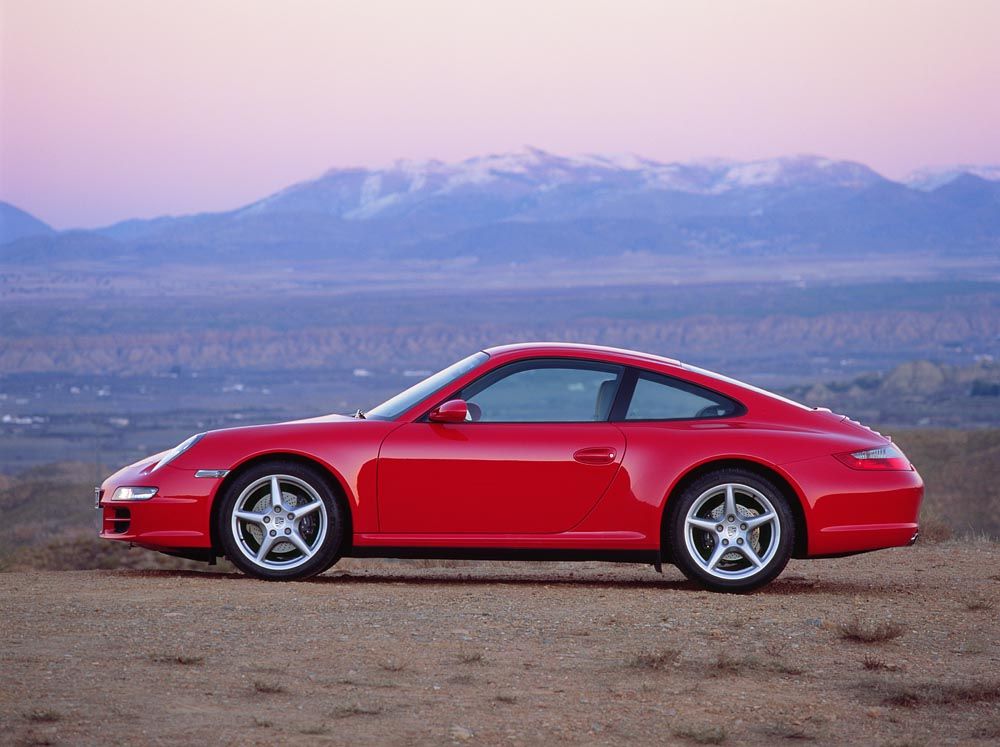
(323, 419)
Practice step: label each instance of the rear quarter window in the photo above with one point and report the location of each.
(658, 397)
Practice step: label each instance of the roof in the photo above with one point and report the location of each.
(571, 347)
(725, 384)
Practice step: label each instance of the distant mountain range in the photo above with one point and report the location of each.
(17, 224)
(533, 204)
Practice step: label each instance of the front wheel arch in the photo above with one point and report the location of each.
(337, 487)
(801, 548)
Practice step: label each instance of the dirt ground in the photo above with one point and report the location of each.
(380, 652)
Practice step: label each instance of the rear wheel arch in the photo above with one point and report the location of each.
(779, 481)
(336, 484)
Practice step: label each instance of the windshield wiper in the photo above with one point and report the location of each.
(360, 414)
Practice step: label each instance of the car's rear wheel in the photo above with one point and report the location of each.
(731, 530)
(281, 521)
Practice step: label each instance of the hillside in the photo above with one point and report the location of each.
(962, 496)
(916, 393)
(17, 224)
(309, 320)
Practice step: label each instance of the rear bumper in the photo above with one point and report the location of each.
(178, 516)
(849, 511)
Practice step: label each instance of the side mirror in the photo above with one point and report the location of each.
(452, 411)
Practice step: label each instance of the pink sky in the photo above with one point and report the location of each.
(111, 110)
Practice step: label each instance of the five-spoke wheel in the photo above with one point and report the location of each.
(731, 530)
(281, 521)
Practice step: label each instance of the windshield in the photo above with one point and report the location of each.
(393, 408)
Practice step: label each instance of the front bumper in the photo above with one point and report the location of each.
(178, 516)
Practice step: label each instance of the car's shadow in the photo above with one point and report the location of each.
(788, 586)
(432, 578)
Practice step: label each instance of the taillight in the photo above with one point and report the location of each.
(886, 457)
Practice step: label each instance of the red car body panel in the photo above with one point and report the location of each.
(176, 519)
(457, 478)
(594, 486)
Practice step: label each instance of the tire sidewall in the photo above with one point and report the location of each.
(328, 552)
(676, 528)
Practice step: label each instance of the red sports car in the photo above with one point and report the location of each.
(532, 451)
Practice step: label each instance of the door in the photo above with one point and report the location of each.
(536, 456)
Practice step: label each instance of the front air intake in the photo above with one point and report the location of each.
(116, 520)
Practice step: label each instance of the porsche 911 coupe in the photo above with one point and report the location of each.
(532, 451)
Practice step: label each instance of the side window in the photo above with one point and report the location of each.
(662, 398)
(544, 391)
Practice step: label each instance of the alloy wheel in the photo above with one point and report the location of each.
(732, 531)
(279, 522)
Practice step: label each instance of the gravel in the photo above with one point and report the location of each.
(411, 652)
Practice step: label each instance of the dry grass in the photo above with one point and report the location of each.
(656, 660)
(702, 734)
(791, 732)
(973, 648)
(267, 688)
(913, 695)
(182, 659)
(933, 529)
(980, 604)
(379, 684)
(877, 664)
(989, 730)
(357, 709)
(37, 740)
(782, 667)
(726, 664)
(870, 631)
(317, 730)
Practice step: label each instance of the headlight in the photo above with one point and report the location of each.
(133, 494)
(177, 451)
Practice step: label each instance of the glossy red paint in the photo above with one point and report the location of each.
(452, 411)
(174, 518)
(487, 478)
(592, 486)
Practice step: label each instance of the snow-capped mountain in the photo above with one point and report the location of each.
(931, 178)
(534, 175)
(530, 204)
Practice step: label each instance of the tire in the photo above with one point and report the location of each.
(297, 536)
(726, 549)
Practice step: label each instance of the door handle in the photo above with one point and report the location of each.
(596, 455)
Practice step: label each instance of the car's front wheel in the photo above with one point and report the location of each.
(281, 521)
(731, 530)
